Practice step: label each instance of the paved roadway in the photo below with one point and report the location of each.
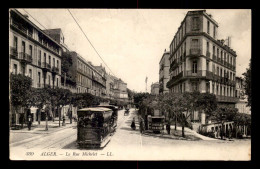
(127, 144)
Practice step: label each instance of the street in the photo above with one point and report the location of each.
(125, 144)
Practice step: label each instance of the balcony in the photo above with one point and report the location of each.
(55, 69)
(226, 99)
(46, 66)
(39, 63)
(173, 65)
(13, 52)
(195, 51)
(214, 57)
(219, 60)
(19, 26)
(24, 57)
(174, 79)
(208, 54)
(216, 78)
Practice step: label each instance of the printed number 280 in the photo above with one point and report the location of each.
(29, 153)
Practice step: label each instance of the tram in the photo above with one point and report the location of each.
(94, 127)
(114, 116)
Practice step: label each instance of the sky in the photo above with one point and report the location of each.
(132, 41)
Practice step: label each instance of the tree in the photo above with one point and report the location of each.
(39, 98)
(20, 92)
(224, 113)
(62, 97)
(206, 102)
(247, 86)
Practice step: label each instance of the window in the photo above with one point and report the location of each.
(207, 87)
(44, 57)
(213, 88)
(40, 55)
(195, 86)
(39, 77)
(195, 43)
(57, 64)
(217, 91)
(23, 46)
(207, 66)
(230, 75)
(214, 32)
(49, 77)
(217, 52)
(221, 72)
(30, 73)
(195, 23)
(49, 59)
(15, 43)
(220, 90)
(30, 50)
(194, 67)
(53, 62)
(15, 69)
(214, 50)
(207, 46)
(208, 26)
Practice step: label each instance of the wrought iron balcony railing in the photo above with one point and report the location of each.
(208, 54)
(195, 51)
(226, 99)
(55, 69)
(214, 57)
(25, 57)
(13, 52)
(46, 65)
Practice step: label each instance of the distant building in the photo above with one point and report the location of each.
(120, 90)
(155, 88)
(241, 105)
(164, 72)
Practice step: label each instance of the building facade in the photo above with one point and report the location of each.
(155, 88)
(120, 90)
(164, 72)
(67, 80)
(102, 71)
(33, 53)
(200, 62)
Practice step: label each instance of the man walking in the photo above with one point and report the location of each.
(168, 128)
(141, 126)
(29, 122)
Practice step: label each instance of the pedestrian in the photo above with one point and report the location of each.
(29, 122)
(168, 128)
(141, 126)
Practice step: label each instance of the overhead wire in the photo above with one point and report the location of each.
(89, 41)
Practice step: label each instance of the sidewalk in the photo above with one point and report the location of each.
(40, 129)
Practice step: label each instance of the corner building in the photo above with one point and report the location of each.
(164, 72)
(200, 62)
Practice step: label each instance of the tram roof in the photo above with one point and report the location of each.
(98, 109)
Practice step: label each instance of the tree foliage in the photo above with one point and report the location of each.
(247, 87)
(20, 90)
